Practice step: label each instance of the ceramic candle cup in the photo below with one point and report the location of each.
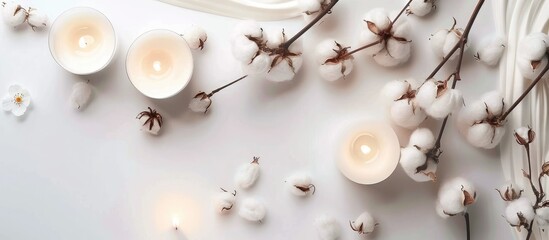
(82, 40)
(159, 63)
(368, 152)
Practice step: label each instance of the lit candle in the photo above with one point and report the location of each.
(159, 63)
(82, 40)
(369, 152)
(175, 222)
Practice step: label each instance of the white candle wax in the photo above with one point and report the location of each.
(368, 152)
(159, 63)
(82, 40)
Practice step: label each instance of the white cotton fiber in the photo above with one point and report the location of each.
(490, 52)
(399, 50)
(403, 113)
(427, 93)
(247, 174)
(36, 18)
(445, 104)
(300, 184)
(196, 37)
(146, 126)
(451, 40)
(326, 50)
(453, 196)
(437, 41)
(275, 38)
(379, 16)
(393, 90)
(224, 201)
(410, 159)
(252, 210)
(367, 37)
(422, 138)
(521, 206)
(530, 70)
(484, 135)
(80, 96)
(494, 101)
(532, 48)
(309, 6)
(248, 28)
(383, 58)
(364, 223)
(335, 71)
(13, 14)
(244, 49)
(200, 105)
(542, 216)
(260, 64)
(421, 7)
(327, 227)
(282, 71)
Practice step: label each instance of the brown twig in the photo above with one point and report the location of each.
(226, 85)
(467, 225)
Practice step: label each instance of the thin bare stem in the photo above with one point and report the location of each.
(288, 43)
(525, 93)
(401, 12)
(467, 225)
(530, 230)
(226, 85)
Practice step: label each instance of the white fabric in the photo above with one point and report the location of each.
(515, 19)
(261, 10)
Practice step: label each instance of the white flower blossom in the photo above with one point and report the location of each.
(364, 223)
(252, 210)
(81, 94)
(247, 174)
(421, 7)
(479, 121)
(17, 101)
(196, 37)
(393, 48)
(532, 55)
(454, 196)
(490, 52)
(327, 227)
(334, 61)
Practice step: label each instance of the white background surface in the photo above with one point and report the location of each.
(94, 175)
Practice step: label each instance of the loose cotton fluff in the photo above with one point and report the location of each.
(80, 96)
(334, 62)
(413, 158)
(224, 201)
(247, 174)
(519, 213)
(311, 8)
(300, 184)
(404, 109)
(394, 48)
(252, 210)
(444, 40)
(454, 196)
(36, 19)
(438, 99)
(491, 50)
(327, 228)
(196, 37)
(532, 55)
(200, 103)
(364, 223)
(421, 7)
(260, 53)
(542, 216)
(479, 123)
(13, 14)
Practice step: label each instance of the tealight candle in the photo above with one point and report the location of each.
(82, 40)
(159, 63)
(369, 152)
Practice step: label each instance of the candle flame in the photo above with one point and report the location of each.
(365, 149)
(175, 222)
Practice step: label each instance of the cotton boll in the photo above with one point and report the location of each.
(521, 206)
(248, 174)
(401, 28)
(260, 64)
(300, 184)
(445, 104)
(309, 6)
(421, 7)
(383, 58)
(451, 40)
(224, 201)
(200, 104)
(244, 49)
(422, 138)
(437, 41)
(427, 93)
(13, 14)
(494, 102)
(364, 223)
(248, 28)
(333, 72)
(393, 90)
(532, 48)
(80, 96)
(379, 17)
(367, 37)
(403, 113)
(410, 159)
(275, 38)
(328, 228)
(455, 195)
(283, 71)
(195, 37)
(491, 52)
(326, 50)
(484, 135)
(252, 210)
(145, 127)
(526, 68)
(542, 216)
